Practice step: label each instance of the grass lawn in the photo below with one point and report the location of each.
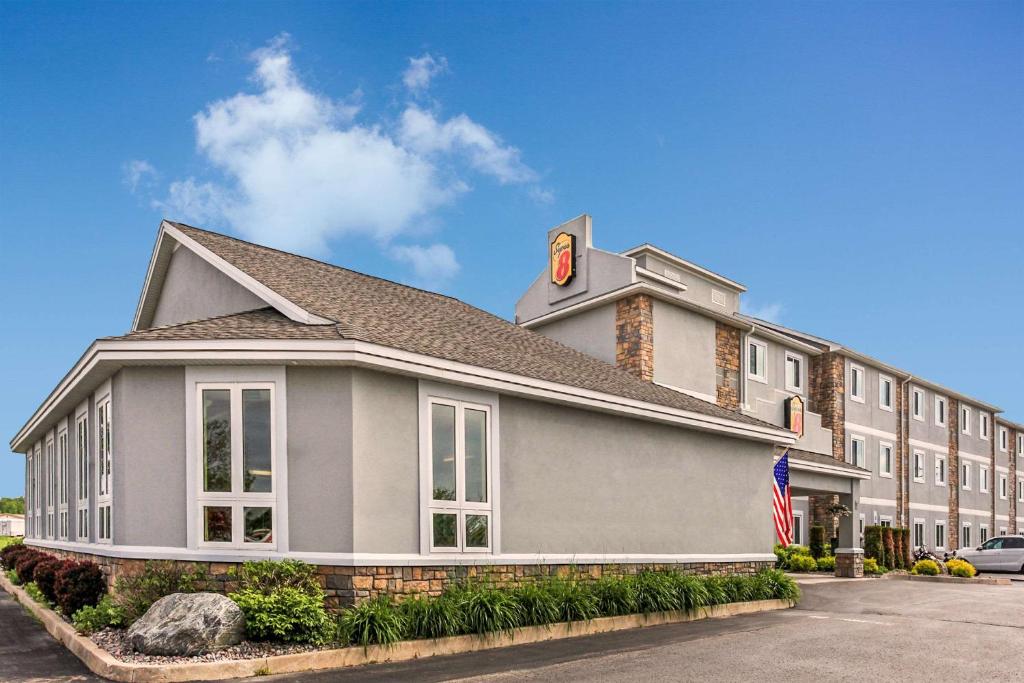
(7, 540)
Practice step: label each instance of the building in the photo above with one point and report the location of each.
(941, 463)
(269, 405)
(12, 524)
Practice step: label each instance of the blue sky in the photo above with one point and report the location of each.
(860, 167)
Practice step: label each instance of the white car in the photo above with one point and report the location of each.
(999, 554)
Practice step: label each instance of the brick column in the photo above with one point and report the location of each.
(828, 398)
(901, 465)
(634, 336)
(953, 462)
(993, 483)
(1011, 527)
(727, 366)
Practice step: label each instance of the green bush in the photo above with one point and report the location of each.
(106, 613)
(12, 576)
(772, 584)
(817, 541)
(378, 621)
(890, 547)
(873, 546)
(136, 593)
(718, 593)
(926, 568)
(961, 568)
(803, 563)
(266, 576)
(693, 592)
(282, 601)
(827, 564)
(898, 556)
(871, 566)
(575, 599)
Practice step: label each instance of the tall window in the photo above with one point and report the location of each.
(919, 467)
(885, 459)
(965, 536)
(983, 427)
(460, 476)
(983, 536)
(37, 491)
(857, 383)
(104, 472)
(1003, 483)
(965, 476)
(30, 494)
(62, 484)
(757, 359)
(237, 497)
(940, 534)
(983, 479)
(917, 407)
(794, 372)
(940, 470)
(51, 490)
(965, 419)
(82, 476)
(1003, 439)
(1020, 490)
(884, 392)
(918, 533)
(857, 451)
(940, 411)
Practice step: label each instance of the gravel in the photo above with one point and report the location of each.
(115, 641)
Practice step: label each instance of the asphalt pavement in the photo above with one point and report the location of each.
(28, 653)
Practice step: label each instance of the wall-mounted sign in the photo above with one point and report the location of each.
(563, 259)
(795, 415)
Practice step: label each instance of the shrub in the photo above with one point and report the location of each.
(781, 557)
(926, 567)
(817, 541)
(486, 608)
(871, 566)
(9, 554)
(540, 605)
(961, 568)
(718, 593)
(873, 546)
(286, 614)
(136, 593)
(908, 549)
(26, 564)
(106, 613)
(45, 576)
(797, 549)
(890, 547)
(78, 585)
(827, 564)
(265, 576)
(373, 621)
(693, 593)
(575, 600)
(898, 555)
(12, 576)
(437, 617)
(655, 592)
(772, 584)
(803, 563)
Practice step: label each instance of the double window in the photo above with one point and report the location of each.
(794, 372)
(459, 507)
(237, 493)
(885, 393)
(857, 383)
(885, 459)
(757, 361)
(82, 475)
(104, 471)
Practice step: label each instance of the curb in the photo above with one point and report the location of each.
(977, 580)
(103, 664)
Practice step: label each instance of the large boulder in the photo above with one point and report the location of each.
(188, 624)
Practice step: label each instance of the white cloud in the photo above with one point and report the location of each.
(770, 312)
(137, 174)
(433, 266)
(299, 169)
(421, 71)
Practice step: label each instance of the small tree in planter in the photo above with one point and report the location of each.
(890, 547)
(817, 544)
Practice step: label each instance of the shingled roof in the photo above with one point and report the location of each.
(373, 310)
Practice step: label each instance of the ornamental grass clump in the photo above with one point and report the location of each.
(486, 609)
(372, 622)
(656, 592)
(136, 593)
(693, 592)
(616, 596)
(438, 617)
(540, 605)
(576, 600)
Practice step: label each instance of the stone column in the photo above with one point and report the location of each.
(849, 554)
(828, 399)
(634, 336)
(727, 366)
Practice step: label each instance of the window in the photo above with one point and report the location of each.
(82, 475)
(459, 509)
(983, 535)
(940, 411)
(1020, 445)
(757, 359)
(919, 466)
(917, 407)
(885, 459)
(885, 520)
(965, 419)
(1002, 532)
(885, 393)
(1020, 489)
(29, 485)
(940, 535)
(62, 484)
(1003, 484)
(940, 470)
(798, 527)
(104, 471)
(965, 476)
(37, 491)
(965, 535)
(1003, 439)
(861, 526)
(983, 479)
(51, 489)
(237, 496)
(857, 383)
(983, 427)
(918, 533)
(857, 451)
(794, 372)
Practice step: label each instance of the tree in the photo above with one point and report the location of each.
(14, 506)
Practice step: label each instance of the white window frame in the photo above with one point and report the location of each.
(1004, 485)
(855, 439)
(884, 380)
(857, 396)
(798, 538)
(983, 534)
(38, 529)
(104, 482)
(882, 447)
(919, 522)
(983, 479)
(1002, 531)
(965, 475)
(1020, 446)
(920, 458)
(801, 374)
(940, 470)
(29, 487)
(1020, 489)
(984, 428)
(62, 482)
(761, 377)
(82, 479)
(965, 533)
(51, 487)
(965, 419)
(1004, 439)
(941, 401)
(940, 524)
(917, 401)
(431, 393)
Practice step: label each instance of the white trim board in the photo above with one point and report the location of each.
(854, 427)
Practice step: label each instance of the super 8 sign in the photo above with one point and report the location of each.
(563, 259)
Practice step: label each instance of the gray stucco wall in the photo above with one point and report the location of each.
(698, 288)
(320, 459)
(592, 332)
(684, 349)
(195, 290)
(575, 481)
(385, 438)
(149, 456)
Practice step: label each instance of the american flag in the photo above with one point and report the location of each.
(782, 502)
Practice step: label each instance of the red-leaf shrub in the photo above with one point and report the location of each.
(45, 576)
(26, 564)
(78, 585)
(9, 555)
